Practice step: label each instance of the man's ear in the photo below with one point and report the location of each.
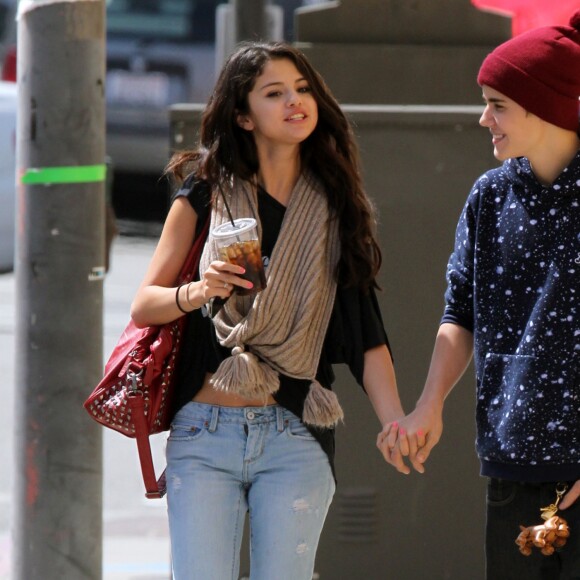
(244, 122)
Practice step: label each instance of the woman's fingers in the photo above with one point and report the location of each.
(387, 442)
(221, 278)
(394, 457)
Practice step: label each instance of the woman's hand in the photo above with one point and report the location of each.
(381, 386)
(219, 280)
(388, 444)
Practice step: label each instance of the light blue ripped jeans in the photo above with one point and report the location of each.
(223, 462)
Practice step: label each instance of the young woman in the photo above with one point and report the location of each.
(254, 425)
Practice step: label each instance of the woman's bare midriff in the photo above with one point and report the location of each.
(207, 394)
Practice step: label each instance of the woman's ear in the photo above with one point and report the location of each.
(244, 122)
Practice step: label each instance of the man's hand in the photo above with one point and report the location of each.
(571, 496)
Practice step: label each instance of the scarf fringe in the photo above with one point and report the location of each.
(243, 374)
(321, 407)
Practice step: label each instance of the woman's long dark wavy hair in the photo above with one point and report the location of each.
(330, 153)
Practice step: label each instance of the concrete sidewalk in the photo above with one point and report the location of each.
(135, 542)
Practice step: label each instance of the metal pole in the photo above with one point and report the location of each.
(59, 289)
(250, 18)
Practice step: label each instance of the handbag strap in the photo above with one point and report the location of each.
(192, 261)
(152, 488)
(156, 488)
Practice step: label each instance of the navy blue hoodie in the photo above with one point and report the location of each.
(514, 281)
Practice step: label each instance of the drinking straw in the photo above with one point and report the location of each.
(227, 206)
(216, 303)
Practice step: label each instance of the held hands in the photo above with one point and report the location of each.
(412, 437)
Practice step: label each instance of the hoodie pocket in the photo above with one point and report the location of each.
(527, 410)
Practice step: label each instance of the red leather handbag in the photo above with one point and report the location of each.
(135, 393)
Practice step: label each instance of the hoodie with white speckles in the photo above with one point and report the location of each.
(514, 281)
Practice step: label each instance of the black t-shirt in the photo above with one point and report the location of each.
(355, 326)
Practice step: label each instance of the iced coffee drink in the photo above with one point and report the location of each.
(240, 245)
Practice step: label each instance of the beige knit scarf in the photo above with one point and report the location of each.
(282, 328)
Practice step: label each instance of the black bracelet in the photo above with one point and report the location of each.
(177, 299)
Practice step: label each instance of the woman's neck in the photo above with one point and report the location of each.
(278, 175)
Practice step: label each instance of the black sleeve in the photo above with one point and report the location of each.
(198, 193)
(355, 327)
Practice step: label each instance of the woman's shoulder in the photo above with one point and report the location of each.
(198, 193)
(194, 187)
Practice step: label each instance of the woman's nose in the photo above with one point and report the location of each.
(294, 98)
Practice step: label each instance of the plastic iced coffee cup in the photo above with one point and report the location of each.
(240, 245)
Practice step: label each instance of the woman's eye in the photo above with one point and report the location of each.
(305, 89)
(273, 94)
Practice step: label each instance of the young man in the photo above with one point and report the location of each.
(513, 300)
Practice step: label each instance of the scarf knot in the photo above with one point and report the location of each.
(244, 374)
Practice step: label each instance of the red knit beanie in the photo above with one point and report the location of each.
(540, 70)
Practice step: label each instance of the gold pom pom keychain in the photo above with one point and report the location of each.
(547, 536)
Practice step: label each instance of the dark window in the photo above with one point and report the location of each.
(162, 20)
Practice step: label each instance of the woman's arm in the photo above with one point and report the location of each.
(380, 384)
(155, 301)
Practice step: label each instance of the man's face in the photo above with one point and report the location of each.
(515, 132)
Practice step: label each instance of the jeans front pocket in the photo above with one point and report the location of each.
(500, 492)
(187, 431)
(296, 429)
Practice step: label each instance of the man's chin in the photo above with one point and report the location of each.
(499, 155)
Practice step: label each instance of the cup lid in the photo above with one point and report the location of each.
(227, 230)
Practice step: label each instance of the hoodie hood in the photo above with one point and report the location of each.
(519, 171)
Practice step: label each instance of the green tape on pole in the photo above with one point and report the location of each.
(76, 174)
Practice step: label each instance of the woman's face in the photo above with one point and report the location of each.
(515, 132)
(282, 109)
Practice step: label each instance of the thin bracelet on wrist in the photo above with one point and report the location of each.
(177, 299)
(187, 296)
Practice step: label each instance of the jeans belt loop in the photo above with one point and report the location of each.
(215, 411)
(280, 418)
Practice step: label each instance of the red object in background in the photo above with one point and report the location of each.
(528, 14)
(9, 65)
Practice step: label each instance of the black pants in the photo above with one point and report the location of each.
(510, 504)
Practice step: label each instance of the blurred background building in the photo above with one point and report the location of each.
(162, 52)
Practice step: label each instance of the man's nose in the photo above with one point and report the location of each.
(486, 119)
